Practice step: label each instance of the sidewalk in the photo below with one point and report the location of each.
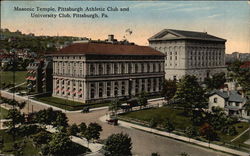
(25, 98)
(178, 137)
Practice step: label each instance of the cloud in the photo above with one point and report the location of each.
(214, 16)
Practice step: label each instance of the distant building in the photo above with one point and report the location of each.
(237, 56)
(39, 76)
(231, 101)
(190, 53)
(97, 71)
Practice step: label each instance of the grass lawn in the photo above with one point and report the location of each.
(68, 104)
(3, 112)
(180, 121)
(28, 148)
(7, 77)
(242, 139)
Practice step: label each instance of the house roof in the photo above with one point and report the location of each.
(232, 96)
(182, 34)
(106, 49)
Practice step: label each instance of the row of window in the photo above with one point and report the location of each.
(99, 69)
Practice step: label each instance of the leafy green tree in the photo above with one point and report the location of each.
(15, 117)
(61, 120)
(190, 94)
(73, 130)
(216, 81)
(153, 123)
(169, 88)
(60, 144)
(95, 130)
(114, 105)
(142, 99)
(82, 128)
(208, 132)
(191, 132)
(41, 138)
(168, 126)
(118, 145)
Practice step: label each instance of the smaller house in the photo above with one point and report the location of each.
(231, 101)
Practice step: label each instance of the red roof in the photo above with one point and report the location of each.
(107, 49)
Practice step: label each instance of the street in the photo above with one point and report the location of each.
(143, 143)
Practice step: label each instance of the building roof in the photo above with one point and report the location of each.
(232, 96)
(171, 34)
(106, 49)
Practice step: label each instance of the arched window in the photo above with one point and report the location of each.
(123, 68)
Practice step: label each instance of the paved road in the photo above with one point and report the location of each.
(143, 143)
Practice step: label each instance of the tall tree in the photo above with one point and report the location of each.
(190, 94)
(169, 89)
(142, 99)
(15, 117)
(118, 145)
(216, 81)
(114, 105)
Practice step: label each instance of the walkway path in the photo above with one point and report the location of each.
(178, 137)
(240, 135)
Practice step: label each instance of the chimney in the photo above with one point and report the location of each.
(110, 37)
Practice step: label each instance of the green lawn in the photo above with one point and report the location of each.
(68, 104)
(7, 77)
(28, 148)
(3, 113)
(180, 121)
(242, 139)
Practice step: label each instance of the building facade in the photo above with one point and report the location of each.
(39, 76)
(231, 101)
(90, 72)
(190, 53)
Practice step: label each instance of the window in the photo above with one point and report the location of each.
(142, 67)
(215, 100)
(136, 68)
(129, 68)
(108, 69)
(115, 68)
(100, 69)
(92, 69)
(122, 68)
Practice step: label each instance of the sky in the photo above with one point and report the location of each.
(226, 19)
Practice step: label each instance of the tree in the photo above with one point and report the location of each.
(82, 128)
(153, 123)
(60, 144)
(61, 120)
(114, 105)
(190, 94)
(208, 132)
(118, 145)
(168, 126)
(216, 81)
(73, 130)
(190, 132)
(95, 130)
(15, 117)
(142, 99)
(168, 89)
(41, 138)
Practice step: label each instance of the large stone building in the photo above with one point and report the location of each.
(39, 76)
(188, 52)
(88, 72)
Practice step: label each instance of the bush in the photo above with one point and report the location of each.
(41, 138)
